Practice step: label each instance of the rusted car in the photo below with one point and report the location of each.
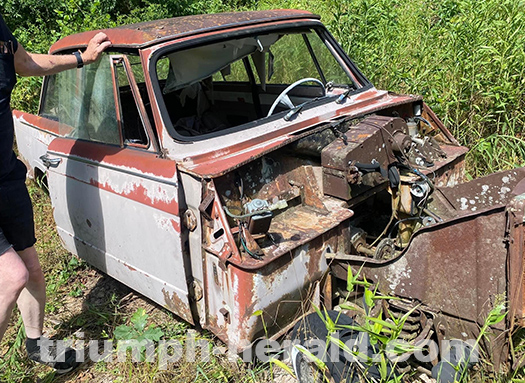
(228, 164)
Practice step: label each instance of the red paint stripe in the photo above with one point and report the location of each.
(140, 161)
(51, 126)
(176, 225)
(140, 194)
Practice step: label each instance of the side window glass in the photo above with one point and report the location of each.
(136, 67)
(131, 121)
(83, 102)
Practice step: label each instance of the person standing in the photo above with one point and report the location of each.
(21, 278)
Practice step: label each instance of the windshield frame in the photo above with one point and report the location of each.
(362, 83)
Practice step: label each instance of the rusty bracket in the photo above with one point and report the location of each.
(206, 206)
(224, 254)
(226, 314)
(304, 179)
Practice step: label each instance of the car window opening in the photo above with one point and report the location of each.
(222, 85)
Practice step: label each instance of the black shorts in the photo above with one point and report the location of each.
(17, 228)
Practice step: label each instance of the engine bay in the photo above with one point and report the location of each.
(377, 174)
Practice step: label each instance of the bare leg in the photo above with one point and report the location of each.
(32, 299)
(13, 277)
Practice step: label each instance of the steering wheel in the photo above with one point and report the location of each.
(283, 96)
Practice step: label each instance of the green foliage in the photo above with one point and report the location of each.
(383, 329)
(11, 363)
(138, 330)
(60, 278)
(467, 58)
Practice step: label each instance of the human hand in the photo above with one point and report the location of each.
(95, 47)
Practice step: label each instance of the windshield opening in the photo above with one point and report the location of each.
(218, 86)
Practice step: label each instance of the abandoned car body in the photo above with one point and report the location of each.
(230, 163)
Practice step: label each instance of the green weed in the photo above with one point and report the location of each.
(11, 365)
(138, 331)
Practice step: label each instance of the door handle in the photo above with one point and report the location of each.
(50, 162)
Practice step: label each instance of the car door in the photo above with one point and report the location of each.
(115, 198)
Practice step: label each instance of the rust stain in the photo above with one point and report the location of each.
(176, 305)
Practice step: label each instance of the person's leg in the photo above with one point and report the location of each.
(32, 299)
(31, 303)
(16, 223)
(13, 278)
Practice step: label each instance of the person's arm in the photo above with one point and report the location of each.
(33, 64)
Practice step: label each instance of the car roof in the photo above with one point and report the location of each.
(152, 32)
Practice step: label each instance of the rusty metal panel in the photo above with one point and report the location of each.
(282, 290)
(486, 192)
(370, 140)
(515, 269)
(451, 171)
(469, 254)
(468, 250)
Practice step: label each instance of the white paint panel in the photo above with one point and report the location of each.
(138, 244)
(32, 143)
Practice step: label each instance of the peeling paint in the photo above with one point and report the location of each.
(398, 271)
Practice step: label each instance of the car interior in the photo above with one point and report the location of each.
(222, 85)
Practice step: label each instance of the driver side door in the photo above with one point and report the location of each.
(115, 199)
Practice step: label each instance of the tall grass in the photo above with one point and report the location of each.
(466, 57)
